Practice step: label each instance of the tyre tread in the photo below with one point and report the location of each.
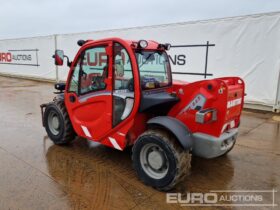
(183, 158)
(69, 133)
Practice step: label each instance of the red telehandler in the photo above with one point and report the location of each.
(120, 93)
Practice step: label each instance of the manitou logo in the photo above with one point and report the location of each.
(20, 57)
(234, 102)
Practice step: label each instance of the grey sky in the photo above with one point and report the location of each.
(25, 18)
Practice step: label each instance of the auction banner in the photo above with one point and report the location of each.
(30, 57)
(246, 46)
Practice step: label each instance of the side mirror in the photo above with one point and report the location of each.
(58, 57)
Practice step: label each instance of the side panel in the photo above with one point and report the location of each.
(91, 117)
(226, 95)
(277, 101)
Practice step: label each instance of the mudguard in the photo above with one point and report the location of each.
(177, 128)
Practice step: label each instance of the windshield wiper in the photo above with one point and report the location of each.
(147, 59)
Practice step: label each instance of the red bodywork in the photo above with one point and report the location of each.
(91, 114)
(224, 91)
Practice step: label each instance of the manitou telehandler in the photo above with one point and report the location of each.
(120, 93)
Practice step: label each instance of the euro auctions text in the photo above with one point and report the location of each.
(28, 57)
(9, 57)
(254, 198)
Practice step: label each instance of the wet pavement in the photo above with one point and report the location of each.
(35, 174)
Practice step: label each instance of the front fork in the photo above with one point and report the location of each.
(43, 106)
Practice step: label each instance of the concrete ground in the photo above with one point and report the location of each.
(36, 174)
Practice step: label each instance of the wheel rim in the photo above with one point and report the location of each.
(154, 161)
(53, 123)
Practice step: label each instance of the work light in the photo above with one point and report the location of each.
(142, 44)
(167, 46)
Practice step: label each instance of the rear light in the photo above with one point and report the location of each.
(206, 116)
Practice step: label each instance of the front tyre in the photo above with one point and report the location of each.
(58, 124)
(159, 160)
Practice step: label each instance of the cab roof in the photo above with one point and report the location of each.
(152, 45)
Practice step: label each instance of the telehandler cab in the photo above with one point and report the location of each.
(120, 93)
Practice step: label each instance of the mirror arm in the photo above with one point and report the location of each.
(68, 62)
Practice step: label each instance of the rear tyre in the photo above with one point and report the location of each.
(233, 143)
(159, 160)
(58, 124)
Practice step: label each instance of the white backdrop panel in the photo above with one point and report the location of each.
(30, 57)
(246, 46)
(243, 46)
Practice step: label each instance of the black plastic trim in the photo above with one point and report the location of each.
(154, 99)
(176, 127)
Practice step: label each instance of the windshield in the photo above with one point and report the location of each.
(154, 69)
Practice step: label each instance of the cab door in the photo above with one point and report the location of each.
(88, 97)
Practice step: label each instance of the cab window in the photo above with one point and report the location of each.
(93, 70)
(74, 82)
(154, 69)
(123, 94)
(122, 68)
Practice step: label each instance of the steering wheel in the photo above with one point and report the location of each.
(97, 83)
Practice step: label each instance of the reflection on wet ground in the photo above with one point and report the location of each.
(35, 174)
